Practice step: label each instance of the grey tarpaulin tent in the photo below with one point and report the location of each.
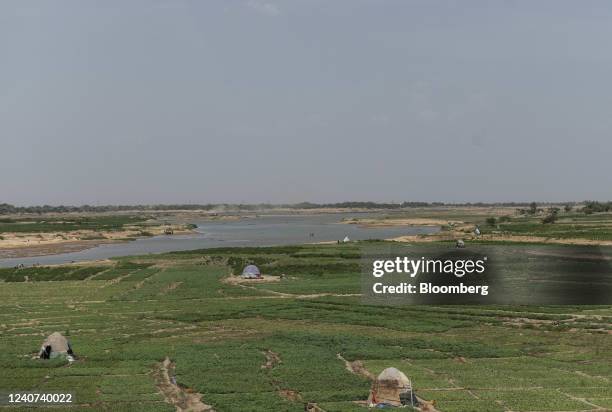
(251, 272)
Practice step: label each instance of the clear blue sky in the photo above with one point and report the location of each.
(286, 101)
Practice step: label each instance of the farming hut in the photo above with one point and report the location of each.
(392, 388)
(251, 272)
(55, 345)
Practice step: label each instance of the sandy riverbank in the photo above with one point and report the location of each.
(13, 245)
(452, 236)
(417, 221)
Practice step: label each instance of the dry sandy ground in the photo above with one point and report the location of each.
(39, 244)
(463, 230)
(48, 249)
(538, 239)
(416, 221)
(238, 280)
(505, 238)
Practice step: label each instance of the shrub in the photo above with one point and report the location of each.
(551, 217)
(533, 208)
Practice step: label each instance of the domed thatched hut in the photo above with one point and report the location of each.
(55, 345)
(392, 387)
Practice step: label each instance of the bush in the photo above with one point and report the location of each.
(593, 207)
(551, 217)
(533, 208)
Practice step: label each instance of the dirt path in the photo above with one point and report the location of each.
(272, 360)
(356, 367)
(583, 400)
(182, 399)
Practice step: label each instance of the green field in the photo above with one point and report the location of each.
(69, 223)
(571, 224)
(126, 317)
(596, 227)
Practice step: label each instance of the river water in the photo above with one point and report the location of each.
(257, 231)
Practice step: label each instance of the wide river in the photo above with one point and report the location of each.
(257, 231)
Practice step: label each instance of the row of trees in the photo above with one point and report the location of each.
(524, 208)
(593, 207)
(552, 212)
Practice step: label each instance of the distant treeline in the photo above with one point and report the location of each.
(6, 208)
(593, 207)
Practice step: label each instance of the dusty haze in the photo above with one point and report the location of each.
(286, 101)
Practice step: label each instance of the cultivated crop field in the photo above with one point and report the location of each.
(273, 346)
(66, 224)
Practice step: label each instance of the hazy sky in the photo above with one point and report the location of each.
(286, 101)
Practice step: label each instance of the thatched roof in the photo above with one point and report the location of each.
(394, 375)
(58, 343)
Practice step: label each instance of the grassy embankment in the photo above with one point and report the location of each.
(503, 224)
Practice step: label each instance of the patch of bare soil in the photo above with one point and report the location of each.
(313, 407)
(427, 238)
(290, 395)
(170, 287)
(175, 330)
(239, 280)
(356, 367)
(416, 221)
(33, 244)
(183, 399)
(454, 235)
(114, 281)
(272, 359)
(35, 249)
